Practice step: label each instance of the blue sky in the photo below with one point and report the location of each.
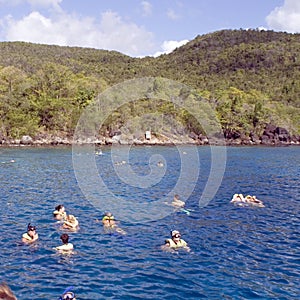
(138, 27)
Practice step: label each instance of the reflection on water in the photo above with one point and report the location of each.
(237, 252)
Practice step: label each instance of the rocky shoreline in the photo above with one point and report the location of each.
(272, 136)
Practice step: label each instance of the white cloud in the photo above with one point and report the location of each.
(168, 46)
(147, 8)
(111, 33)
(285, 17)
(172, 15)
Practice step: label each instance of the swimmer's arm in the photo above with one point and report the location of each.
(187, 248)
(68, 224)
(166, 245)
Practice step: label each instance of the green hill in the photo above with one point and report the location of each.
(250, 77)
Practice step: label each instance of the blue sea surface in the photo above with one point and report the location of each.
(236, 252)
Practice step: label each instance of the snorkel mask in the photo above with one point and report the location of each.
(67, 294)
(30, 227)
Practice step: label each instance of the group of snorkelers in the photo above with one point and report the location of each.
(239, 199)
(69, 222)
(109, 223)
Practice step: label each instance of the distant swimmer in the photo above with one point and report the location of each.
(31, 234)
(66, 246)
(98, 152)
(8, 162)
(68, 294)
(109, 223)
(60, 212)
(254, 201)
(120, 163)
(108, 220)
(160, 164)
(6, 293)
(177, 203)
(239, 199)
(175, 242)
(71, 223)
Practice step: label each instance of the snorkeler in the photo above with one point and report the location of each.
(71, 222)
(60, 212)
(67, 294)
(109, 222)
(239, 199)
(254, 201)
(66, 246)
(177, 203)
(175, 242)
(31, 234)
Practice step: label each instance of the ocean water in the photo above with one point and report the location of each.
(236, 252)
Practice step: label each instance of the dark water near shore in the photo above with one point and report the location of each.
(237, 253)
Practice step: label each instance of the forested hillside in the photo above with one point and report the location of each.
(251, 78)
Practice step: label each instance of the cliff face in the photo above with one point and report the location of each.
(250, 78)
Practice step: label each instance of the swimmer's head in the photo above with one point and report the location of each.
(30, 227)
(108, 216)
(175, 234)
(176, 196)
(59, 207)
(64, 238)
(68, 296)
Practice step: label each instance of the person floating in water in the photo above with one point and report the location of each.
(177, 203)
(175, 242)
(252, 200)
(6, 293)
(109, 223)
(66, 246)
(31, 234)
(8, 162)
(68, 294)
(71, 223)
(160, 164)
(239, 199)
(60, 212)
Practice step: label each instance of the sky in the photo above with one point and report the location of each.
(138, 28)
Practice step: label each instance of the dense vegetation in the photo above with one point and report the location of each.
(251, 78)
